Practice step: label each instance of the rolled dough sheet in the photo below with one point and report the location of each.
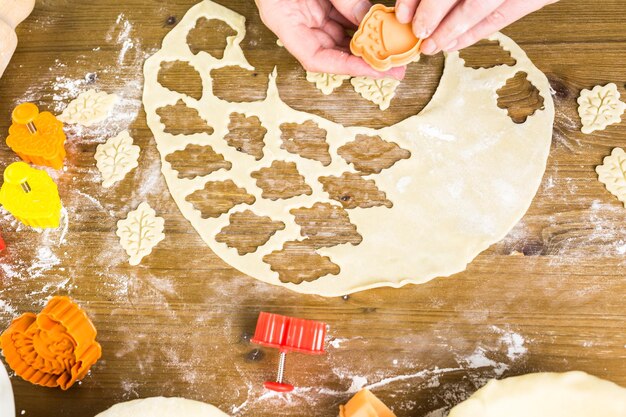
(162, 407)
(471, 176)
(571, 394)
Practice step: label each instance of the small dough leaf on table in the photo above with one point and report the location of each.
(600, 107)
(613, 174)
(140, 232)
(89, 108)
(116, 158)
(326, 83)
(379, 92)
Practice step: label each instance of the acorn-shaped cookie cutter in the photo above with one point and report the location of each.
(54, 348)
(37, 137)
(365, 404)
(383, 42)
(288, 334)
(31, 196)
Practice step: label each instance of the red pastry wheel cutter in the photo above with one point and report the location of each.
(3, 245)
(288, 334)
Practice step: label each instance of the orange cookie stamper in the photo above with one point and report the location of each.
(383, 42)
(365, 404)
(54, 348)
(37, 137)
(31, 196)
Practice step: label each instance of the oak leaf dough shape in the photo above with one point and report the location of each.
(326, 83)
(162, 407)
(613, 174)
(89, 108)
(140, 232)
(570, 394)
(600, 107)
(378, 91)
(116, 158)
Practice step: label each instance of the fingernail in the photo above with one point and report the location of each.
(451, 45)
(361, 9)
(403, 14)
(428, 47)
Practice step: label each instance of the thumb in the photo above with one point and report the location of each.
(353, 10)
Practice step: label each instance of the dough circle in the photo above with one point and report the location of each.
(471, 176)
(571, 394)
(7, 404)
(162, 407)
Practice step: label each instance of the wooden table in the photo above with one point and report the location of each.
(180, 323)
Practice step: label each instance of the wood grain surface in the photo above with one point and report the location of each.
(549, 297)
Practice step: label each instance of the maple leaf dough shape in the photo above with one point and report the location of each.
(600, 107)
(116, 157)
(89, 108)
(613, 174)
(140, 232)
(326, 83)
(378, 91)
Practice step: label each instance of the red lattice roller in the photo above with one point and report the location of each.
(288, 334)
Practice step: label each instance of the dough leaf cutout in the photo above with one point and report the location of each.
(140, 232)
(181, 77)
(371, 154)
(116, 158)
(520, 98)
(197, 161)
(218, 197)
(600, 107)
(89, 108)
(182, 120)
(326, 83)
(613, 174)
(246, 231)
(298, 262)
(378, 91)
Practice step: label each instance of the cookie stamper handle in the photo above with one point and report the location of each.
(288, 334)
(26, 114)
(17, 174)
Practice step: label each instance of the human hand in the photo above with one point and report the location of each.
(314, 32)
(450, 25)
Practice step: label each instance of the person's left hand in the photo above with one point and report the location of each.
(314, 32)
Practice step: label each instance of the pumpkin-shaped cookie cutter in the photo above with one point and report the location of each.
(54, 348)
(37, 137)
(383, 42)
(31, 196)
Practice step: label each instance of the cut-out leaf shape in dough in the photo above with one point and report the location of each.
(600, 107)
(298, 262)
(182, 120)
(246, 134)
(326, 225)
(247, 231)
(140, 232)
(210, 36)
(371, 154)
(307, 140)
(326, 83)
(197, 161)
(378, 91)
(281, 181)
(353, 191)
(520, 98)
(613, 174)
(116, 158)
(486, 54)
(89, 108)
(181, 77)
(218, 197)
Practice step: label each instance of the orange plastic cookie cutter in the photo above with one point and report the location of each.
(37, 137)
(383, 42)
(54, 348)
(31, 196)
(365, 404)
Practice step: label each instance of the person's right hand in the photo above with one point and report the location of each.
(450, 25)
(314, 32)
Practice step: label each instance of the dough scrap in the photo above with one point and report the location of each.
(613, 174)
(471, 176)
(140, 232)
(378, 91)
(326, 83)
(89, 108)
(162, 407)
(571, 394)
(600, 107)
(116, 158)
